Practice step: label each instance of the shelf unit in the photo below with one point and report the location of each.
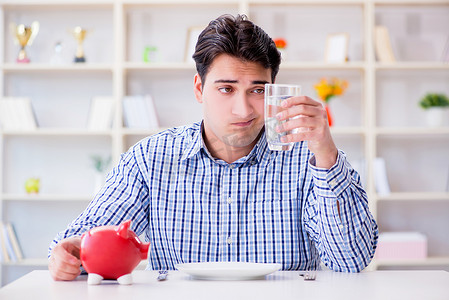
(378, 116)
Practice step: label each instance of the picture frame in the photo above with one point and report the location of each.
(191, 40)
(337, 48)
(445, 54)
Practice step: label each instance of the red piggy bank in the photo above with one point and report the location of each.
(111, 252)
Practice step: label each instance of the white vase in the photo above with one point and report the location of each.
(435, 116)
(283, 54)
(99, 182)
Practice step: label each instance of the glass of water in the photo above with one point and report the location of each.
(274, 95)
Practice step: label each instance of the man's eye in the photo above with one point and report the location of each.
(225, 90)
(259, 91)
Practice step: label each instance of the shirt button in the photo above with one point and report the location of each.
(333, 183)
(229, 200)
(232, 166)
(229, 240)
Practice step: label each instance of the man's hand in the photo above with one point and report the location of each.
(64, 263)
(310, 119)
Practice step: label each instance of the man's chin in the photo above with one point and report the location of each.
(242, 138)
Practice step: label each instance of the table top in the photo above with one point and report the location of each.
(279, 285)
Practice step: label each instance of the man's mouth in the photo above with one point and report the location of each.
(244, 124)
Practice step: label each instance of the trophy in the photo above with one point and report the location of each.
(24, 35)
(79, 34)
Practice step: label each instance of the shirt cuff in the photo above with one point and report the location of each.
(331, 182)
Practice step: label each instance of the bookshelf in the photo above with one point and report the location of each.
(378, 116)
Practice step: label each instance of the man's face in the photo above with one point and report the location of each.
(233, 104)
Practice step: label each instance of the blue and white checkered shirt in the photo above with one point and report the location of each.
(268, 207)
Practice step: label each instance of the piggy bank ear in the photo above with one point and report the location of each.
(123, 229)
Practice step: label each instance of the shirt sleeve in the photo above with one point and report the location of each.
(338, 219)
(123, 197)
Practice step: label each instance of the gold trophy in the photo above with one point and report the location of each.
(79, 34)
(24, 35)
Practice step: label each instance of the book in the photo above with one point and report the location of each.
(17, 114)
(101, 113)
(380, 177)
(140, 112)
(382, 43)
(401, 245)
(14, 241)
(445, 54)
(3, 250)
(9, 247)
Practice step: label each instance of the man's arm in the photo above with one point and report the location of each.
(124, 196)
(338, 219)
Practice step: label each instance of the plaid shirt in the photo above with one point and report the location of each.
(268, 207)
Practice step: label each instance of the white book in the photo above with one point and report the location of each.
(382, 43)
(380, 177)
(4, 115)
(153, 120)
(101, 113)
(17, 114)
(13, 239)
(8, 115)
(140, 112)
(3, 250)
(26, 114)
(130, 114)
(8, 244)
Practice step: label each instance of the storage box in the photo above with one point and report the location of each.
(401, 245)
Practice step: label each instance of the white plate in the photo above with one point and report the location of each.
(228, 270)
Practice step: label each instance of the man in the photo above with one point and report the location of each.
(213, 191)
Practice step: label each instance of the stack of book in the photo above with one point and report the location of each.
(140, 113)
(10, 248)
(17, 114)
(401, 245)
(101, 113)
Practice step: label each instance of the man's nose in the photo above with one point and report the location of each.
(241, 106)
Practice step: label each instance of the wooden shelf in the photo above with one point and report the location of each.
(133, 66)
(40, 67)
(423, 196)
(411, 131)
(46, 197)
(430, 261)
(413, 66)
(57, 132)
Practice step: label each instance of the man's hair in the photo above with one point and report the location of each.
(238, 37)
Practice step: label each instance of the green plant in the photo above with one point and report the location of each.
(434, 100)
(99, 163)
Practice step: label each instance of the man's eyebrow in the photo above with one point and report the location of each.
(225, 81)
(236, 81)
(260, 82)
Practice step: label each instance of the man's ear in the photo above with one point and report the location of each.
(198, 88)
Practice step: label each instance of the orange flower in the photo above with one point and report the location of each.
(280, 43)
(326, 89)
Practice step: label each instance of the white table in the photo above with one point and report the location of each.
(383, 285)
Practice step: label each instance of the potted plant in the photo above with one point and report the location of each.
(328, 89)
(100, 165)
(281, 45)
(435, 105)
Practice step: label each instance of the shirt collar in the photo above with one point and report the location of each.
(259, 154)
(195, 144)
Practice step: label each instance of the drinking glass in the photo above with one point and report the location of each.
(274, 95)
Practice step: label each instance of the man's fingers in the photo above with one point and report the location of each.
(301, 108)
(64, 263)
